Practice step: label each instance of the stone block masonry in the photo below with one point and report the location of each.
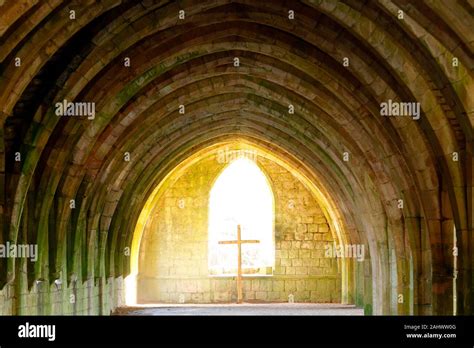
(173, 253)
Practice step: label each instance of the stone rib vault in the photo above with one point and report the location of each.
(237, 69)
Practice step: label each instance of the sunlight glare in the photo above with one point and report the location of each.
(241, 195)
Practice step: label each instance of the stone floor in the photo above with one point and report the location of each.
(264, 309)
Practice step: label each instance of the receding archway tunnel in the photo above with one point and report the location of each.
(369, 111)
(172, 248)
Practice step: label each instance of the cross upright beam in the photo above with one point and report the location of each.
(239, 243)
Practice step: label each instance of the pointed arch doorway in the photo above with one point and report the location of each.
(181, 227)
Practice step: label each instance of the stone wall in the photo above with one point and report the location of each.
(79, 298)
(173, 252)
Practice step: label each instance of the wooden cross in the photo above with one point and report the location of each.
(239, 243)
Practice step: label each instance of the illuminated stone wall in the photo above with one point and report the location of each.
(173, 253)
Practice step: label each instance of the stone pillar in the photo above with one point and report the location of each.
(442, 268)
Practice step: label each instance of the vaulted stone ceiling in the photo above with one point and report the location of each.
(363, 163)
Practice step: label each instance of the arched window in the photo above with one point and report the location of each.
(241, 196)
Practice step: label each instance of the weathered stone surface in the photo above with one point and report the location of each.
(46, 161)
(166, 260)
